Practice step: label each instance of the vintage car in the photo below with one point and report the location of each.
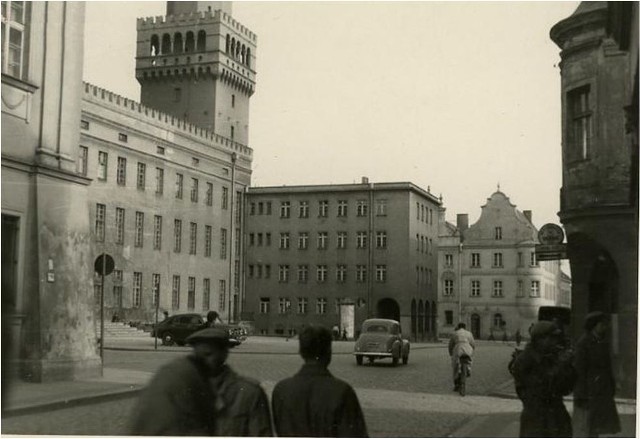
(177, 328)
(381, 338)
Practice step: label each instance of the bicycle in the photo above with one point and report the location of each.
(464, 364)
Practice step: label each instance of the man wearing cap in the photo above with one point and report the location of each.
(199, 395)
(594, 407)
(543, 374)
(313, 403)
(461, 343)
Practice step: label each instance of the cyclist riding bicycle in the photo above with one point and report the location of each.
(461, 343)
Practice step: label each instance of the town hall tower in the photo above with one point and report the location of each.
(198, 63)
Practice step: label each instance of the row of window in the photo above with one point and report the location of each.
(141, 179)
(362, 239)
(424, 275)
(497, 321)
(362, 208)
(497, 291)
(177, 44)
(139, 232)
(302, 305)
(322, 272)
(497, 260)
(424, 244)
(137, 285)
(424, 213)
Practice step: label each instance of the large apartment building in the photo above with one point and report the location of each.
(489, 276)
(338, 254)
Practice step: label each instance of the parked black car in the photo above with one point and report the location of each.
(177, 328)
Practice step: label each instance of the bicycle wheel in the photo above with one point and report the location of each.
(462, 378)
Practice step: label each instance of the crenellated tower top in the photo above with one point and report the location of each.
(198, 63)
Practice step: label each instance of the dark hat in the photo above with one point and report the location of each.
(545, 329)
(218, 336)
(593, 318)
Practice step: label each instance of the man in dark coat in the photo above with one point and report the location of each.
(199, 395)
(594, 405)
(313, 403)
(543, 374)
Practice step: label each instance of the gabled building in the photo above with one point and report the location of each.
(489, 277)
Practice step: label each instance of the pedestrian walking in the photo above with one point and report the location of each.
(518, 337)
(543, 374)
(199, 395)
(344, 334)
(594, 407)
(213, 318)
(313, 403)
(335, 331)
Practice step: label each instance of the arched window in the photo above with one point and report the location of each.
(248, 58)
(189, 43)
(242, 54)
(420, 318)
(227, 46)
(427, 317)
(413, 318)
(238, 48)
(202, 41)
(497, 320)
(434, 317)
(177, 43)
(166, 44)
(233, 47)
(155, 45)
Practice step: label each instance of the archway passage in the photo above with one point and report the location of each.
(603, 285)
(388, 309)
(475, 326)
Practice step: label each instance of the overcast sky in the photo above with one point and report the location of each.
(453, 96)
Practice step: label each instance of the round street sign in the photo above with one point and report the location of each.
(551, 234)
(109, 264)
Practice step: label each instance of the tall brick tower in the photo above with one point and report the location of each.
(198, 63)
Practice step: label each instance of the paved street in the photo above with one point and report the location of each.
(411, 400)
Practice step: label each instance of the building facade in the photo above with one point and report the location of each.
(338, 254)
(489, 277)
(599, 195)
(167, 185)
(47, 265)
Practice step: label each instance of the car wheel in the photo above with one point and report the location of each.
(405, 359)
(167, 339)
(359, 360)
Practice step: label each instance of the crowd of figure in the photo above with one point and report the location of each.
(201, 395)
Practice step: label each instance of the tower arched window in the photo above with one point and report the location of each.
(177, 43)
(189, 43)
(155, 45)
(201, 44)
(238, 48)
(166, 44)
(243, 53)
(227, 46)
(248, 57)
(233, 47)
(232, 132)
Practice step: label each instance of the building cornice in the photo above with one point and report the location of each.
(33, 168)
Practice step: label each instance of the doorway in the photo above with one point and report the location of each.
(388, 309)
(475, 326)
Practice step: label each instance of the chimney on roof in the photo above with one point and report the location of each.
(527, 215)
(462, 222)
(365, 180)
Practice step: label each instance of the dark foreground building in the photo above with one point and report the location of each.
(599, 198)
